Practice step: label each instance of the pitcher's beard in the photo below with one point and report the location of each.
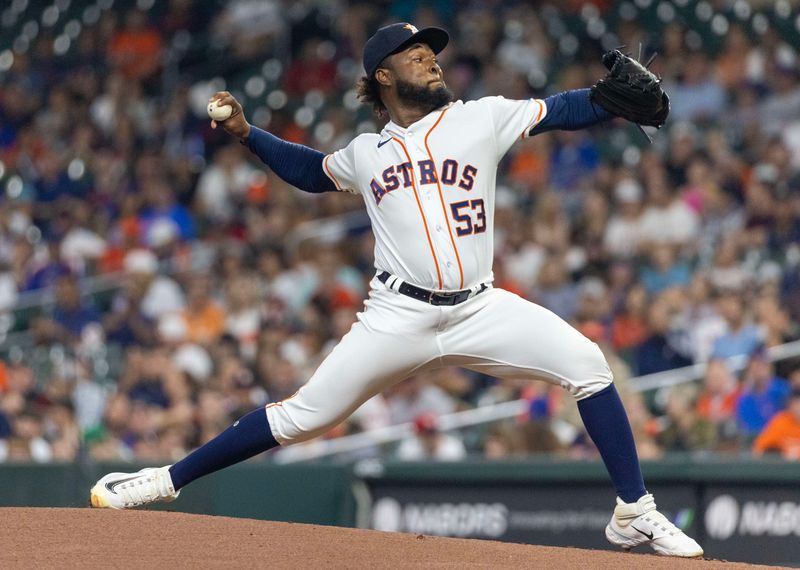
(423, 97)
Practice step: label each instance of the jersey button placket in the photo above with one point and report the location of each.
(434, 209)
(423, 191)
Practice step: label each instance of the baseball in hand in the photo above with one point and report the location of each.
(219, 112)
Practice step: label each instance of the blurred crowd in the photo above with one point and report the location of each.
(228, 287)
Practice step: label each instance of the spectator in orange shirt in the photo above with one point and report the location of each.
(629, 328)
(205, 319)
(136, 50)
(717, 404)
(717, 401)
(782, 433)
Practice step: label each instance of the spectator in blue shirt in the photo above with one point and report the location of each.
(697, 95)
(657, 352)
(764, 395)
(50, 271)
(574, 158)
(742, 336)
(53, 182)
(161, 205)
(664, 271)
(5, 426)
(69, 316)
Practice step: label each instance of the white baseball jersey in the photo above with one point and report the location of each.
(429, 191)
(429, 188)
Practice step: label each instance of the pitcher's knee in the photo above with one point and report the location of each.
(592, 372)
(291, 423)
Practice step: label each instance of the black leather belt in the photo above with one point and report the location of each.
(433, 297)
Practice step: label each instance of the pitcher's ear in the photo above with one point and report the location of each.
(383, 76)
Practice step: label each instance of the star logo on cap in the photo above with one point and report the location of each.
(412, 28)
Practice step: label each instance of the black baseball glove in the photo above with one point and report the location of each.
(631, 91)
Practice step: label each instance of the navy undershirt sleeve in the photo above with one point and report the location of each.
(570, 111)
(298, 165)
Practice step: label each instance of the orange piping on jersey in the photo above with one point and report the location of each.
(536, 120)
(419, 205)
(441, 198)
(330, 174)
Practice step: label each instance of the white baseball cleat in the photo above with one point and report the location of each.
(127, 490)
(640, 523)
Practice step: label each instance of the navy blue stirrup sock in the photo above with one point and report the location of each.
(607, 423)
(248, 436)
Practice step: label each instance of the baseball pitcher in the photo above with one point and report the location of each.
(428, 183)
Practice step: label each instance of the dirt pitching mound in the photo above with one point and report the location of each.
(85, 538)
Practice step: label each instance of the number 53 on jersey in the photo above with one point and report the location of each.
(464, 212)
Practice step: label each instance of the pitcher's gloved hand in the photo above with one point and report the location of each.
(631, 91)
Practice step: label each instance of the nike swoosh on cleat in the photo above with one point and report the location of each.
(648, 535)
(380, 144)
(110, 486)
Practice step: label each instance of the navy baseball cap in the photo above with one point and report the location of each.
(394, 38)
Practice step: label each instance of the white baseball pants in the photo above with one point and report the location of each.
(496, 333)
